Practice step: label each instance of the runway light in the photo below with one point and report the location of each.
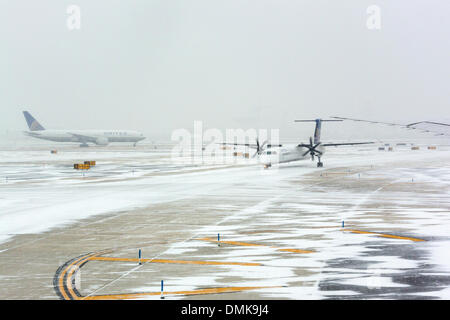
(162, 289)
(140, 255)
(342, 223)
(218, 239)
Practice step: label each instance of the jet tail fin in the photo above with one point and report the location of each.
(318, 127)
(33, 124)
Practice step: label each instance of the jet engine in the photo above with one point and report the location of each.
(102, 141)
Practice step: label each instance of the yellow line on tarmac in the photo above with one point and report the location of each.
(191, 292)
(385, 235)
(236, 243)
(69, 276)
(174, 261)
(61, 277)
(296, 250)
(70, 267)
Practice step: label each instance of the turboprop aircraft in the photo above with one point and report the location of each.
(278, 153)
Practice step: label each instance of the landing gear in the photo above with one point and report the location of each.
(267, 166)
(312, 149)
(319, 164)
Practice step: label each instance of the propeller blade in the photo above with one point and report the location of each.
(262, 146)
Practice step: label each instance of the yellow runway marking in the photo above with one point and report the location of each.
(70, 270)
(191, 292)
(74, 268)
(236, 243)
(296, 250)
(61, 282)
(174, 261)
(69, 281)
(68, 291)
(385, 235)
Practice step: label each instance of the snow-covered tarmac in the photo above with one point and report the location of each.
(140, 199)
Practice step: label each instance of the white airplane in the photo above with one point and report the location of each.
(282, 154)
(98, 137)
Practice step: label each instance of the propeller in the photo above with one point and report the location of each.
(312, 149)
(259, 148)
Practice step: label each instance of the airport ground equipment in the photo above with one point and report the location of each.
(81, 166)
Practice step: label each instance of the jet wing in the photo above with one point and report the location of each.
(344, 144)
(429, 126)
(369, 121)
(250, 145)
(425, 126)
(304, 145)
(83, 138)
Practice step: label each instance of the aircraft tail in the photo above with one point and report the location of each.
(33, 124)
(318, 128)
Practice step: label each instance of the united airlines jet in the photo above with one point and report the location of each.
(98, 137)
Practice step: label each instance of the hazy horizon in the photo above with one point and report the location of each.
(156, 66)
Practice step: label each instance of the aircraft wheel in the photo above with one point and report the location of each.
(319, 164)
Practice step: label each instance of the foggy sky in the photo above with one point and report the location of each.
(158, 65)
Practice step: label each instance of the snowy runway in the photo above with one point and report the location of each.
(292, 215)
